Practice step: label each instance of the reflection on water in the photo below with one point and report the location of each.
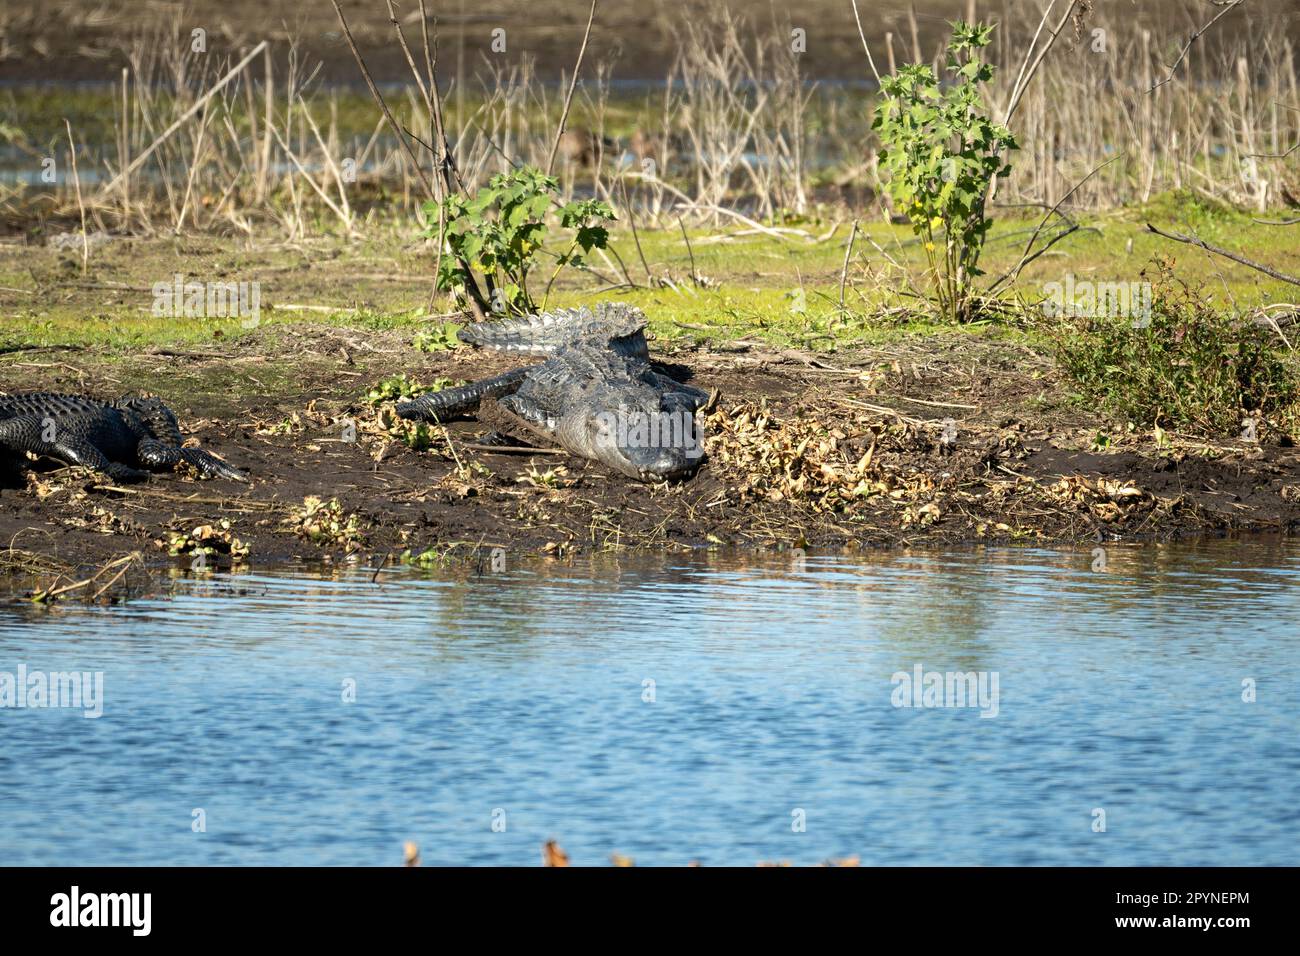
(674, 709)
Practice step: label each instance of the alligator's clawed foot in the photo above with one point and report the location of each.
(125, 475)
(210, 466)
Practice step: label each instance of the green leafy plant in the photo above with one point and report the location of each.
(437, 338)
(428, 558)
(399, 386)
(584, 217)
(497, 234)
(941, 151)
(416, 435)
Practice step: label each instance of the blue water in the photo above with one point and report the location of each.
(520, 699)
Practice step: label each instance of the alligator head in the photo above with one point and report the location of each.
(656, 440)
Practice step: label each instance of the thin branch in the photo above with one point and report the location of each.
(1029, 52)
(446, 161)
(201, 103)
(1025, 258)
(85, 240)
(379, 99)
(410, 60)
(695, 277)
(568, 97)
(844, 270)
(1233, 4)
(1275, 155)
(1227, 254)
(631, 219)
(478, 304)
(1027, 71)
(870, 61)
(1074, 227)
(1023, 84)
(316, 187)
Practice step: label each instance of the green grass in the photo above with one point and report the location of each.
(782, 292)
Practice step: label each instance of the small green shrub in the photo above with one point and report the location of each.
(1191, 367)
(940, 151)
(497, 234)
(439, 337)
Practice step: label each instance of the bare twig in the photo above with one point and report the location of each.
(1029, 52)
(1026, 75)
(631, 219)
(1283, 155)
(844, 270)
(379, 99)
(1025, 258)
(568, 96)
(1227, 254)
(775, 232)
(442, 157)
(129, 560)
(1231, 5)
(198, 105)
(85, 242)
(695, 278)
(871, 62)
(477, 303)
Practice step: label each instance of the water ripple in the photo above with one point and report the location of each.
(676, 709)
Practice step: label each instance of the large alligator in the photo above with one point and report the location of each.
(595, 394)
(112, 437)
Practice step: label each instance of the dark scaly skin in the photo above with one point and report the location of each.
(450, 402)
(597, 372)
(609, 325)
(120, 438)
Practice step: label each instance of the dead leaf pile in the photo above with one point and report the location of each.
(326, 523)
(829, 467)
(1107, 500)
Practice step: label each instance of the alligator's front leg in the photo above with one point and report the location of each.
(161, 455)
(26, 433)
(77, 451)
(450, 402)
(679, 395)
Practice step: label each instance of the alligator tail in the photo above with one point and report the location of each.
(439, 406)
(532, 334)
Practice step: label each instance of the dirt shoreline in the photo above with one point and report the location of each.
(927, 444)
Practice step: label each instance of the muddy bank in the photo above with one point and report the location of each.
(921, 444)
